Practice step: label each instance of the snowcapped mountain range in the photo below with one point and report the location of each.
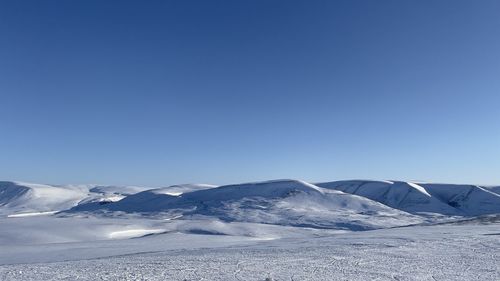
(351, 204)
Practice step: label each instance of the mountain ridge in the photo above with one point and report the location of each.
(349, 204)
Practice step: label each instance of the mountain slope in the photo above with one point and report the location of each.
(494, 189)
(147, 200)
(27, 199)
(16, 197)
(471, 199)
(404, 196)
(283, 202)
(353, 205)
(446, 199)
(178, 189)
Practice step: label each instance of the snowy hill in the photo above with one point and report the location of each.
(282, 202)
(118, 190)
(473, 200)
(354, 204)
(102, 194)
(29, 199)
(178, 189)
(446, 199)
(140, 198)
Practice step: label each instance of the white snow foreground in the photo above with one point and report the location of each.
(442, 252)
(281, 229)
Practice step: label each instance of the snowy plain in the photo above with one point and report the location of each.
(275, 230)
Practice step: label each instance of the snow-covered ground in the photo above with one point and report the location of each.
(279, 230)
(445, 252)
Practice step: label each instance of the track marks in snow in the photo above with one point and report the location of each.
(420, 253)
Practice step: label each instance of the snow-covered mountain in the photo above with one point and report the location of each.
(353, 204)
(473, 200)
(142, 198)
(27, 199)
(446, 199)
(282, 202)
(42, 224)
(400, 195)
(178, 189)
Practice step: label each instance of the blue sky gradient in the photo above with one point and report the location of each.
(164, 92)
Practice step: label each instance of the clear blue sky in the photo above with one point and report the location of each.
(164, 92)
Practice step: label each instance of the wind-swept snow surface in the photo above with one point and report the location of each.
(448, 252)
